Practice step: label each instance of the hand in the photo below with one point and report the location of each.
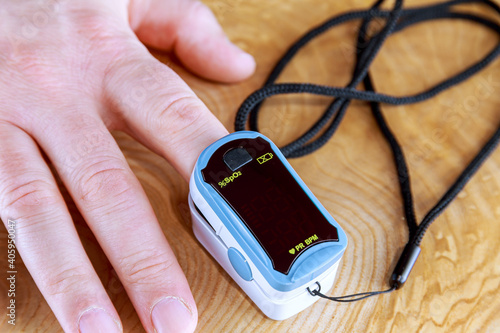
(71, 71)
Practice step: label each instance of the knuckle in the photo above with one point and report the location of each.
(30, 76)
(180, 113)
(65, 281)
(145, 268)
(29, 65)
(104, 179)
(27, 195)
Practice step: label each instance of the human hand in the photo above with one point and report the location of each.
(71, 71)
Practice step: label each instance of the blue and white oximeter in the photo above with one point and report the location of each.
(262, 224)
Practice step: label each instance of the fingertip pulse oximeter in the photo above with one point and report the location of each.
(262, 224)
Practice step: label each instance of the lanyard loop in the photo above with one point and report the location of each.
(396, 19)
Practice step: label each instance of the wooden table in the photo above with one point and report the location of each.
(455, 286)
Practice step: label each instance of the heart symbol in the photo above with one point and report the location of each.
(292, 251)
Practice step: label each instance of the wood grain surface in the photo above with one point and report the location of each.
(455, 285)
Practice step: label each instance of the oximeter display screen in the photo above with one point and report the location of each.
(255, 183)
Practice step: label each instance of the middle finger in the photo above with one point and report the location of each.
(118, 212)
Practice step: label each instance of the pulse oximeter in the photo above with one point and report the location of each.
(262, 224)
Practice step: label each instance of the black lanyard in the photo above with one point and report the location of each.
(367, 48)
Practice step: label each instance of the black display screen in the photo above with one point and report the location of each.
(267, 198)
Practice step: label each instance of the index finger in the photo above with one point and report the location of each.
(161, 111)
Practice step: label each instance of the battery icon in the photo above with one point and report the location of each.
(264, 158)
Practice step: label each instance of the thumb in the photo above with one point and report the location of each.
(191, 31)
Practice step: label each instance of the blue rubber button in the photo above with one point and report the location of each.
(240, 264)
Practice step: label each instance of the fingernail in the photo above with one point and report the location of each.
(247, 57)
(96, 320)
(171, 315)
(244, 56)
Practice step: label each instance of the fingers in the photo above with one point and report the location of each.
(116, 209)
(191, 30)
(46, 238)
(161, 111)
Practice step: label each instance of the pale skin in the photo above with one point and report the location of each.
(71, 71)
